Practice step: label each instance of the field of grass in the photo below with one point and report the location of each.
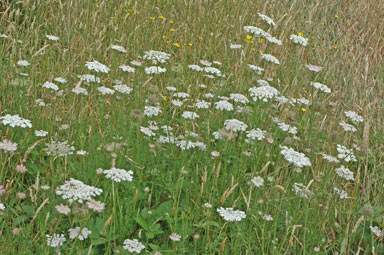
(191, 127)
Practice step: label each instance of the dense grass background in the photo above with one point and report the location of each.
(170, 186)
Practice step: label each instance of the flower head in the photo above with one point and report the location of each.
(231, 215)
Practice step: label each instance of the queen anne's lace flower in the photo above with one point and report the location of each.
(345, 153)
(79, 233)
(377, 231)
(231, 215)
(8, 146)
(118, 175)
(52, 37)
(257, 133)
(106, 91)
(267, 19)
(89, 78)
(23, 63)
(257, 69)
(50, 85)
(314, 68)
(59, 148)
(257, 181)
(123, 89)
(189, 115)
(97, 66)
(201, 104)
(156, 56)
(74, 190)
(239, 98)
(294, 157)
(344, 173)
(150, 111)
(79, 91)
(301, 190)
(263, 92)
(258, 32)
(354, 116)
(299, 40)
(224, 105)
(133, 245)
(127, 69)
(147, 131)
(235, 125)
(342, 193)
(119, 48)
(270, 58)
(15, 121)
(321, 87)
(154, 70)
(347, 127)
(56, 240)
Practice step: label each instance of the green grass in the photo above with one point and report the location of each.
(171, 186)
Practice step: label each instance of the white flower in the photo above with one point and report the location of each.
(150, 111)
(274, 40)
(270, 58)
(123, 89)
(3, 36)
(258, 32)
(181, 95)
(89, 78)
(81, 153)
(224, 105)
(287, 128)
(2, 207)
(23, 63)
(234, 46)
(126, 68)
(235, 125)
(314, 68)
(79, 90)
(257, 133)
(154, 70)
(347, 127)
(267, 19)
(169, 88)
(59, 148)
(213, 70)
(207, 205)
(342, 194)
(106, 91)
(133, 245)
(257, 69)
(377, 231)
(177, 102)
(8, 146)
(301, 190)
(230, 215)
(15, 121)
(74, 190)
(297, 158)
(175, 237)
(56, 240)
(201, 104)
(321, 87)
(60, 80)
(205, 63)
(345, 153)
(266, 217)
(209, 95)
(189, 115)
(52, 37)
(330, 158)
(354, 116)
(257, 181)
(299, 40)
(239, 98)
(136, 63)
(119, 48)
(78, 233)
(41, 133)
(147, 131)
(344, 173)
(97, 66)
(50, 85)
(118, 175)
(263, 92)
(156, 56)
(195, 68)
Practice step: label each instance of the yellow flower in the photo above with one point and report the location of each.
(176, 44)
(303, 109)
(335, 47)
(161, 17)
(260, 52)
(300, 34)
(152, 18)
(261, 39)
(165, 98)
(171, 21)
(249, 37)
(172, 30)
(336, 16)
(190, 44)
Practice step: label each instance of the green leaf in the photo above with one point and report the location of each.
(142, 223)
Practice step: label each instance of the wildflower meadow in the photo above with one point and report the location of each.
(191, 127)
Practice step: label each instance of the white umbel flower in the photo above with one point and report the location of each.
(119, 48)
(105, 91)
(41, 133)
(347, 127)
(297, 158)
(342, 193)
(224, 105)
(274, 40)
(56, 240)
(79, 233)
(52, 38)
(321, 87)
(270, 58)
(15, 121)
(257, 181)
(133, 245)
(329, 158)
(301, 190)
(8, 146)
(377, 231)
(263, 92)
(354, 116)
(89, 78)
(147, 131)
(257, 69)
(50, 85)
(239, 98)
(231, 215)
(213, 70)
(127, 69)
(258, 32)
(23, 63)
(118, 175)
(79, 91)
(124, 89)
(97, 66)
(201, 104)
(257, 133)
(156, 56)
(154, 70)
(345, 153)
(189, 115)
(267, 19)
(344, 173)
(195, 68)
(75, 190)
(299, 40)
(313, 68)
(60, 80)
(150, 111)
(235, 125)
